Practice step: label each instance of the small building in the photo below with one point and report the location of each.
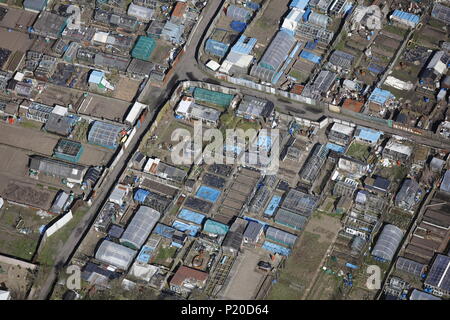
(98, 276)
(187, 279)
(215, 228)
(405, 18)
(341, 134)
(138, 160)
(38, 112)
(396, 151)
(421, 295)
(49, 25)
(105, 134)
(379, 98)
(140, 227)
(254, 108)
(300, 202)
(438, 278)
(73, 173)
(118, 195)
(143, 48)
(253, 232)
(192, 111)
(436, 164)
(290, 219)
(216, 48)
(354, 166)
(367, 135)
(406, 197)
(60, 203)
(342, 61)
(68, 150)
(387, 243)
(96, 77)
(352, 105)
(115, 254)
(377, 184)
(233, 239)
(173, 32)
(239, 14)
(445, 184)
(135, 112)
(280, 236)
(60, 122)
(35, 5)
(441, 12)
(141, 13)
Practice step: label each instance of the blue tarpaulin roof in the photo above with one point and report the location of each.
(191, 216)
(208, 193)
(406, 16)
(140, 195)
(276, 248)
(368, 134)
(310, 56)
(244, 45)
(238, 26)
(96, 76)
(335, 147)
(299, 4)
(163, 230)
(380, 96)
(181, 226)
(273, 205)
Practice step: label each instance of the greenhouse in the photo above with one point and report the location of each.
(214, 97)
(104, 134)
(215, 227)
(410, 266)
(191, 216)
(140, 227)
(281, 236)
(238, 14)
(290, 219)
(216, 48)
(387, 243)
(273, 205)
(143, 48)
(115, 254)
(278, 51)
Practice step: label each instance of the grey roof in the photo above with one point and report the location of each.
(439, 274)
(140, 227)
(252, 231)
(105, 134)
(57, 168)
(445, 185)
(140, 12)
(58, 124)
(299, 202)
(410, 266)
(255, 107)
(320, 85)
(290, 219)
(421, 295)
(140, 67)
(36, 5)
(388, 242)
(59, 203)
(406, 196)
(441, 13)
(342, 59)
(278, 50)
(115, 254)
(110, 61)
(280, 236)
(49, 24)
(204, 113)
(238, 13)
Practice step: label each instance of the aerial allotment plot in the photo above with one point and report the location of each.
(225, 150)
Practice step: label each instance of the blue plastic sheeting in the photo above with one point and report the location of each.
(406, 16)
(145, 254)
(299, 4)
(216, 48)
(163, 230)
(140, 195)
(181, 226)
(191, 216)
(264, 142)
(348, 9)
(380, 96)
(244, 45)
(306, 15)
(348, 264)
(238, 26)
(310, 56)
(96, 76)
(335, 147)
(208, 193)
(273, 205)
(255, 220)
(275, 248)
(375, 68)
(215, 227)
(311, 45)
(368, 134)
(252, 5)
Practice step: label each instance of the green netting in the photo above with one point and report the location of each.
(213, 97)
(143, 48)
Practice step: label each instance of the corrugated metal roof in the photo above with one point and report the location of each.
(406, 16)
